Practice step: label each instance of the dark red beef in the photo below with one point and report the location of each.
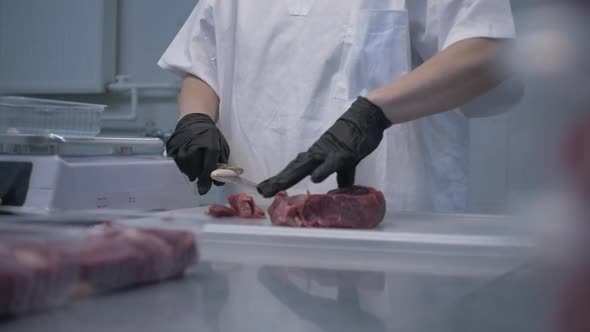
(242, 205)
(245, 206)
(355, 207)
(259, 213)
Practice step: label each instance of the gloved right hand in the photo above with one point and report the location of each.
(355, 135)
(197, 146)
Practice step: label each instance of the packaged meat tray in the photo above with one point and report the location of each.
(43, 266)
(38, 269)
(114, 257)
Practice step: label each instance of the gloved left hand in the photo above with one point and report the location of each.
(353, 137)
(197, 146)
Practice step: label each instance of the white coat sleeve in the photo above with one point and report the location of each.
(193, 50)
(438, 24)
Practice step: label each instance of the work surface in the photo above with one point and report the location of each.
(413, 273)
(220, 297)
(431, 241)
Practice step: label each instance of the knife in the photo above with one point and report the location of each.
(235, 170)
(229, 174)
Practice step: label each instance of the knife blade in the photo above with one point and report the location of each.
(193, 184)
(230, 175)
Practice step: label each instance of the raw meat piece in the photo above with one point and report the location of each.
(221, 211)
(258, 212)
(355, 207)
(245, 207)
(242, 206)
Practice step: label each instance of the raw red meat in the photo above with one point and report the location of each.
(245, 206)
(242, 206)
(355, 207)
(221, 211)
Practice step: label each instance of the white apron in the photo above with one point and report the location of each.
(285, 70)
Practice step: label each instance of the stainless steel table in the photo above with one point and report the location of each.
(415, 273)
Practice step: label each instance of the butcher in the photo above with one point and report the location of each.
(310, 95)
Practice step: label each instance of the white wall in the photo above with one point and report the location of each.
(498, 145)
(146, 27)
(509, 156)
(513, 155)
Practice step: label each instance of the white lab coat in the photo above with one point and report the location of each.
(285, 70)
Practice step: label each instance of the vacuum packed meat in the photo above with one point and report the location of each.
(120, 258)
(354, 207)
(36, 275)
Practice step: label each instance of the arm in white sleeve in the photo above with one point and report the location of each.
(462, 43)
(449, 79)
(197, 97)
(192, 55)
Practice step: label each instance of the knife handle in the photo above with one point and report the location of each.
(236, 169)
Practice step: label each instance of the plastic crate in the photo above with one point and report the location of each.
(32, 116)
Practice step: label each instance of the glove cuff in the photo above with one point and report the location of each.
(377, 113)
(193, 118)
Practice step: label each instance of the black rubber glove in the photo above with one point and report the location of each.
(197, 146)
(339, 150)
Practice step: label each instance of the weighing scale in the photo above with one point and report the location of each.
(49, 173)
